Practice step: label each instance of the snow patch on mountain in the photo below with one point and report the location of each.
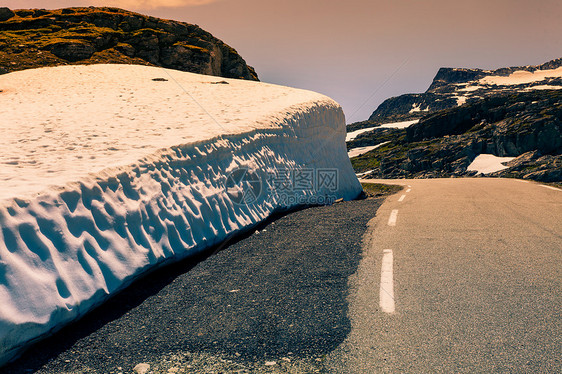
(354, 134)
(544, 87)
(488, 163)
(393, 125)
(460, 100)
(398, 125)
(354, 152)
(452, 87)
(522, 77)
(110, 171)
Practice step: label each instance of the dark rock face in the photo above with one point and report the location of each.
(72, 51)
(446, 76)
(450, 88)
(401, 108)
(526, 125)
(463, 115)
(38, 38)
(5, 14)
(516, 123)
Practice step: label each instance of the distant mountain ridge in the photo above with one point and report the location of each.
(32, 38)
(452, 87)
(512, 112)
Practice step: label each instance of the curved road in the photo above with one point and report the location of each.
(451, 275)
(273, 301)
(476, 277)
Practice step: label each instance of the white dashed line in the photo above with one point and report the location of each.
(402, 198)
(386, 292)
(408, 190)
(551, 188)
(393, 217)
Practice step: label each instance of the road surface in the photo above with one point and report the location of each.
(274, 301)
(476, 281)
(455, 275)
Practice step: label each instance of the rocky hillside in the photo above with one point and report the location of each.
(515, 112)
(452, 87)
(37, 38)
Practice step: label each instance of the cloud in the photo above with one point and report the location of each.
(151, 4)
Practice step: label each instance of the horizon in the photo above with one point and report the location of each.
(363, 52)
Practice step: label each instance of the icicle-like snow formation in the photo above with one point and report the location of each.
(106, 174)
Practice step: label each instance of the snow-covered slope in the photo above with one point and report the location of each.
(107, 173)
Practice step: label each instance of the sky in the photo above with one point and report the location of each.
(361, 52)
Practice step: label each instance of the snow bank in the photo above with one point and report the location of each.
(522, 77)
(486, 163)
(107, 173)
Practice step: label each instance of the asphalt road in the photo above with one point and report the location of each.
(477, 281)
(275, 301)
(476, 285)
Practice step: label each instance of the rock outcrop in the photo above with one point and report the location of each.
(5, 14)
(525, 125)
(453, 87)
(32, 38)
(509, 112)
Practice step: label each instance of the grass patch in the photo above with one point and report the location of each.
(380, 190)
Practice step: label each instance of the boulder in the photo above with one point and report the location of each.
(523, 160)
(72, 51)
(126, 49)
(549, 175)
(131, 22)
(5, 14)
(175, 55)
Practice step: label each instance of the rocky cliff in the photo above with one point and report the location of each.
(34, 38)
(512, 112)
(453, 87)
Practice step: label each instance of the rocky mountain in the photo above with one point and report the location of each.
(31, 38)
(452, 87)
(513, 112)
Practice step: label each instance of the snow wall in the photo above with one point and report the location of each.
(65, 250)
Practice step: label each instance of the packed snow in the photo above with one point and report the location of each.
(544, 87)
(107, 173)
(394, 125)
(469, 88)
(399, 125)
(360, 175)
(354, 134)
(522, 77)
(461, 100)
(55, 138)
(487, 163)
(417, 108)
(354, 152)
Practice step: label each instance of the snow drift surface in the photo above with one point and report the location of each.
(107, 173)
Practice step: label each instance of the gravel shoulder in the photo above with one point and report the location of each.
(273, 301)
